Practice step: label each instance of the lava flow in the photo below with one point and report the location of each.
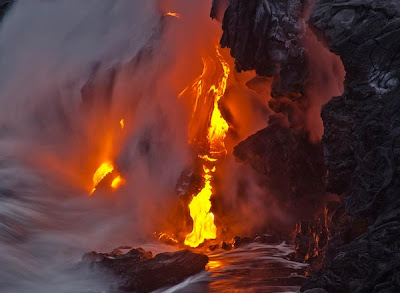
(200, 206)
(105, 169)
(173, 14)
(101, 172)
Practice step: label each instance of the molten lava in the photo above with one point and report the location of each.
(101, 172)
(173, 14)
(203, 220)
(201, 89)
(117, 182)
(218, 126)
(107, 166)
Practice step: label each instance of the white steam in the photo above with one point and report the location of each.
(48, 52)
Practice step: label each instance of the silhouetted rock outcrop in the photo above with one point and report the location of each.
(361, 142)
(138, 271)
(266, 36)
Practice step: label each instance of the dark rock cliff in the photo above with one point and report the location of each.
(361, 141)
(248, 24)
(270, 37)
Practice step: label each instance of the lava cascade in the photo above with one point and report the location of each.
(107, 167)
(208, 87)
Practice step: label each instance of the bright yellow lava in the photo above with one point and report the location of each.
(101, 172)
(122, 123)
(200, 206)
(203, 220)
(116, 182)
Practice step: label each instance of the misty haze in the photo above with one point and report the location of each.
(199, 146)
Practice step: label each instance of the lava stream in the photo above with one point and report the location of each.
(200, 206)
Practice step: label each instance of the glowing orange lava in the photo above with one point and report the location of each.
(107, 167)
(101, 172)
(218, 126)
(117, 182)
(173, 14)
(200, 206)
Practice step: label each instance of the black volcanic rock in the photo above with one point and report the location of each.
(370, 264)
(218, 8)
(292, 165)
(138, 271)
(361, 141)
(266, 36)
(362, 126)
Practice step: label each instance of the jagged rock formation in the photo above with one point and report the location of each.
(361, 141)
(266, 36)
(362, 128)
(292, 166)
(316, 240)
(270, 37)
(138, 271)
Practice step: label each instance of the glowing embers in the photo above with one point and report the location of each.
(173, 14)
(204, 94)
(102, 172)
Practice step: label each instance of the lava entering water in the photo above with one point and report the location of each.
(200, 206)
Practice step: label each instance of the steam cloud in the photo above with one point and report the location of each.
(49, 50)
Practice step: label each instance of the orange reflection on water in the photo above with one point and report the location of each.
(214, 264)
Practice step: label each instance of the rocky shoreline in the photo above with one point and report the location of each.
(136, 270)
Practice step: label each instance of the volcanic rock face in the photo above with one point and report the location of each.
(218, 8)
(266, 36)
(361, 141)
(138, 271)
(292, 165)
(361, 127)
